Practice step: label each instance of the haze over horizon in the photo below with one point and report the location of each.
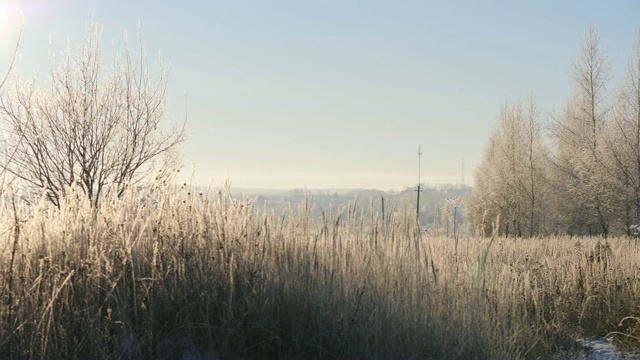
(336, 94)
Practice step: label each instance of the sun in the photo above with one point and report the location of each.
(10, 24)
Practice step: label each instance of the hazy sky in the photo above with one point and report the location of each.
(338, 94)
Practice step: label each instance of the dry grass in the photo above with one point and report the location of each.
(182, 274)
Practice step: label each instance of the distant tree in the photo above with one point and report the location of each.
(510, 181)
(622, 142)
(483, 203)
(535, 177)
(581, 174)
(511, 166)
(92, 127)
(591, 73)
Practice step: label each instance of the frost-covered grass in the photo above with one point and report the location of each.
(177, 273)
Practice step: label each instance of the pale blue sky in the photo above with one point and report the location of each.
(339, 94)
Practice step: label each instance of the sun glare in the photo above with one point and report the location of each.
(10, 13)
(3, 18)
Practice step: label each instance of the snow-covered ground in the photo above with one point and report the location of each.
(601, 349)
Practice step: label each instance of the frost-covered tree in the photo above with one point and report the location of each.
(12, 62)
(510, 180)
(483, 205)
(92, 127)
(622, 143)
(580, 173)
(536, 170)
(8, 155)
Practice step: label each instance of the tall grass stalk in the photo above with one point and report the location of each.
(176, 273)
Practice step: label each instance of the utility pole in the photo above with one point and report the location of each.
(383, 218)
(418, 200)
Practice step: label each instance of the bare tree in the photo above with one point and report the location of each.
(91, 127)
(9, 154)
(591, 73)
(12, 62)
(623, 141)
(484, 201)
(510, 181)
(580, 170)
(535, 178)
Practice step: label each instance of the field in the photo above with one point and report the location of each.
(180, 274)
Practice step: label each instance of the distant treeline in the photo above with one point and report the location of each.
(440, 204)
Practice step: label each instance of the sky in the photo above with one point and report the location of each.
(336, 94)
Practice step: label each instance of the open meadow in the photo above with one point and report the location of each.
(176, 274)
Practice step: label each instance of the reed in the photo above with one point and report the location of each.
(178, 273)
